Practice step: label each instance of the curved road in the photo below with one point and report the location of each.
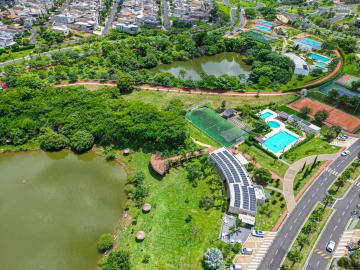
(294, 222)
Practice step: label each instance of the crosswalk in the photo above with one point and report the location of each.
(322, 254)
(345, 239)
(333, 172)
(354, 182)
(261, 251)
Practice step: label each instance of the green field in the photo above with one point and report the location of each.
(264, 159)
(212, 124)
(300, 180)
(314, 146)
(162, 98)
(269, 212)
(200, 136)
(170, 242)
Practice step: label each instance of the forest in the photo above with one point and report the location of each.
(78, 118)
(137, 55)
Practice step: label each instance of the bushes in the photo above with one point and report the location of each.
(52, 141)
(105, 242)
(213, 259)
(82, 141)
(117, 260)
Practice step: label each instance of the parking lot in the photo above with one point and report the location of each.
(259, 247)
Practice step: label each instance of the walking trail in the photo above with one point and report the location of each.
(294, 169)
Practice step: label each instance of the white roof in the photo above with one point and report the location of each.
(247, 219)
(242, 159)
(298, 61)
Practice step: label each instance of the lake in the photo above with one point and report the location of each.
(54, 207)
(224, 63)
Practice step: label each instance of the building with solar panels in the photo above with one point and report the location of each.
(241, 194)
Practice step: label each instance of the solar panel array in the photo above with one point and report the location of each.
(237, 179)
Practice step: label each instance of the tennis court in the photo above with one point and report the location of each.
(260, 37)
(212, 124)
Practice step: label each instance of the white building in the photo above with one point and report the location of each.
(130, 28)
(301, 67)
(61, 29)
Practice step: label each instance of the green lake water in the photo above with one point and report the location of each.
(224, 63)
(54, 207)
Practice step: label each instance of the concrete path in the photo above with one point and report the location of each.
(274, 188)
(201, 143)
(291, 173)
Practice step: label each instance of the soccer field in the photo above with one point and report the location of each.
(216, 127)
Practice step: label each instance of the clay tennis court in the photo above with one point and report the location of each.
(336, 117)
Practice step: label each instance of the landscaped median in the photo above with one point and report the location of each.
(307, 172)
(303, 244)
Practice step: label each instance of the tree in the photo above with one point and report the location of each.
(355, 259)
(328, 199)
(303, 167)
(303, 240)
(321, 116)
(82, 141)
(105, 242)
(52, 141)
(305, 110)
(125, 82)
(295, 256)
(213, 259)
(333, 94)
(117, 260)
(237, 248)
(345, 263)
(261, 175)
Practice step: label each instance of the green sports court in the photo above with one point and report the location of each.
(219, 129)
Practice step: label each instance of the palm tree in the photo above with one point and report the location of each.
(328, 199)
(303, 240)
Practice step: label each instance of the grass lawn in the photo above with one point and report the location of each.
(290, 111)
(350, 64)
(300, 181)
(269, 212)
(312, 237)
(264, 159)
(162, 98)
(315, 146)
(200, 136)
(170, 242)
(357, 225)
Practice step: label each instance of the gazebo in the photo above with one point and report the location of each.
(140, 236)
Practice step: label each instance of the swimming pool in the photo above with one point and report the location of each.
(319, 57)
(265, 23)
(262, 28)
(321, 64)
(279, 141)
(273, 124)
(313, 43)
(265, 115)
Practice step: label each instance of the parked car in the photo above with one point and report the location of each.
(330, 246)
(246, 251)
(257, 233)
(345, 153)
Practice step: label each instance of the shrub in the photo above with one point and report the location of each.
(82, 141)
(52, 141)
(117, 260)
(237, 248)
(213, 259)
(105, 242)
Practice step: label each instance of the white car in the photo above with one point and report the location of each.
(257, 233)
(345, 153)
(330, 246)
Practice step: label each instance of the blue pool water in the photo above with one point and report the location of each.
(263, 28)
(265, 115)
(279, 141)
(265, 23)
(273, 124)
(319, 57)
(313, 43)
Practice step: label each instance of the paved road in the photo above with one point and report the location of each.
(295, 220)
(334, 229)
(165, 14)
(110, 19)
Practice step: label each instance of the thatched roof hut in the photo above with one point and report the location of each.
(140, 235)
(146, 207)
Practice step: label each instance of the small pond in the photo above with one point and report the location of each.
(224, 63)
